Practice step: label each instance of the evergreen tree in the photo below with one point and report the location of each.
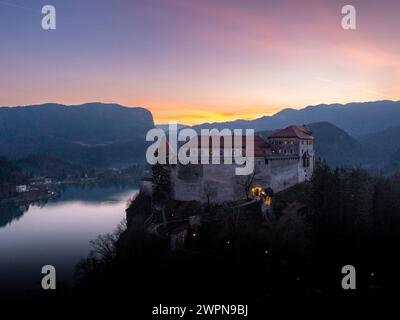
(161, 187)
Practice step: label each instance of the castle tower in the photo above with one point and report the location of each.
(293, 147)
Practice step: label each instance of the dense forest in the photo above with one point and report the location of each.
(350, 217)
(10, 177)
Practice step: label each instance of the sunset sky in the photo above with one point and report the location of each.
(199, 61)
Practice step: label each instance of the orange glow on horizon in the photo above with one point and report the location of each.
(207, 118)
(203, 114)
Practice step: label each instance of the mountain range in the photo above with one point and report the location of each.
(91, 134)
(104, 135)
(355, 134)
(357, 119)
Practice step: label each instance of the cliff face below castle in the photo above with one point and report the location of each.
(138, 211)
(136, 242)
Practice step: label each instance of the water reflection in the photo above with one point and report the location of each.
(10, 212)
(57, 232)
(94, 193)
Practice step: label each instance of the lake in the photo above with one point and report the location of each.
(57, 232)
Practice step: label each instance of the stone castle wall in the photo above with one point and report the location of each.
(218, 183)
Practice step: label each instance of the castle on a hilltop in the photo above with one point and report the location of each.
(284, 159)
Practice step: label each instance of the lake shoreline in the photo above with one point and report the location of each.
(44, 194)
(31, 196)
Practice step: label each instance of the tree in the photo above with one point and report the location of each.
(10, 177)
(162, 187)
(209, 190)
(246, 182)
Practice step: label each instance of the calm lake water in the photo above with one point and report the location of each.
(57, 233)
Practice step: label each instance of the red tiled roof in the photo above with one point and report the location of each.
(293, 132)
(260, 145)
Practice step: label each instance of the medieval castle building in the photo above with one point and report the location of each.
(284, 159)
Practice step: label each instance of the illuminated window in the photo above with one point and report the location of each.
(256, 192)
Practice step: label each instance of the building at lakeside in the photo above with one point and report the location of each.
(21, 188)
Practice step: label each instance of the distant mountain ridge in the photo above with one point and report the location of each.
(357, 119)
(91, 133)
(104, 135)
(384, 147)
(336, 146)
